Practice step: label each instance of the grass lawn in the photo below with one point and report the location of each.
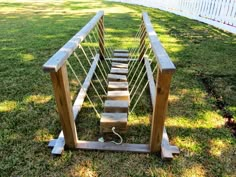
(31, 32)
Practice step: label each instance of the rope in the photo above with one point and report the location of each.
(73, 71)
(98, 31)
(87, 74)
(136, 38)
(121, 139)
(109, 48)
(132, 65)
(137, 79)
(81, 47)
(141, 91)
(98, 38)
(139, 97)
(140, 83)
(100, 62)
(135, 51)
(137, 67)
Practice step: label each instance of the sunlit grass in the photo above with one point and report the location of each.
(32, 31)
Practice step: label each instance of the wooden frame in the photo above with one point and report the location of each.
(159, 94)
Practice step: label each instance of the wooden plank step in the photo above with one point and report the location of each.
(116, 106)
(119, 65)
(118, 86)
(117, 120)
(117, 78)
(120, 51)
(124, 60)
(121, 55)
(118, 95)
(122, 71)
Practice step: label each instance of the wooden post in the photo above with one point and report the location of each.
(159, 110)
(142, 48)
(101, 38)
(62, 96)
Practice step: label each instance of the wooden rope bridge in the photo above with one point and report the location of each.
(122, 71)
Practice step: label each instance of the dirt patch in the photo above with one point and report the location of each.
(219, 103)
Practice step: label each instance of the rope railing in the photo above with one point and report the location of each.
(88, 49)
(151, 53)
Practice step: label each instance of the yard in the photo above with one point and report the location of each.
(203, 92)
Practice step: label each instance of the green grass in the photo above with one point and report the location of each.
(31, 32)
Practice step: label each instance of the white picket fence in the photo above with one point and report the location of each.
(219, 13)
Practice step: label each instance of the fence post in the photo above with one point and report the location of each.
(64, 105)
(163, 81)
(101, 38)
(142, 48)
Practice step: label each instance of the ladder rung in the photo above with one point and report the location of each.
(124, 60)
(116, 106)
(117, 120)
(122, 71)
(117, 86)
(117, 77)
(118, 95)
(121, 55)
(121, 51)
(119, 65)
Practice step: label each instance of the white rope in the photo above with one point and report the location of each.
(137, 79)
(139, 96)
(98, 31)
(109, 41)
(140, 84)
(81, 47)
(121, 139)
(133, 65)
(73, 71)
(98, 39)
(104, 70)
(137, 67)
(87, 74)
(136, 39)
(141, 69)
(136, 50)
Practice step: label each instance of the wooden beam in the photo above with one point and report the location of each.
(165, 64)
(159, 110)
(60, 141)
(62, 97)
(167, 150)
(58, 59)
(108, 146)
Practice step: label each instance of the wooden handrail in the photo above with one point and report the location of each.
(163, 60)
(58, 59)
